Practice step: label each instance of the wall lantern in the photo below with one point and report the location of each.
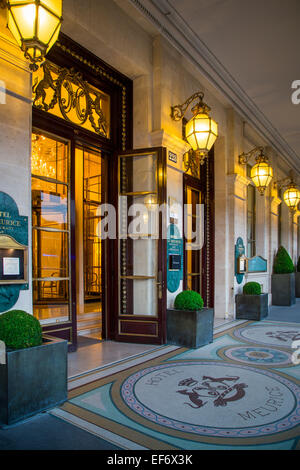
(201, 130)
(35, 25)
(291, 195)
(261, 173)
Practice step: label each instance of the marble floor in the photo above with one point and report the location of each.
(92, 354)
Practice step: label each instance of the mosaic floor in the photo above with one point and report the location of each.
(241, 391)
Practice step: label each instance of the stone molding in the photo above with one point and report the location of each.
(275, 202)
(12, 56)
(237, 184)
(161, 138)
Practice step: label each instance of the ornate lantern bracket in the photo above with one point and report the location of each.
(245, 157)
(178, 111)
(201, 131)
(261, 172)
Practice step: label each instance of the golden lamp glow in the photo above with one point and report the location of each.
(201, 131)
(292, 196)
(150, 201)
(261, 174)
(35, 25)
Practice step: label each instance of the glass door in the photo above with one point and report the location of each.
(193, 253)
(50, 165)
(141, 265)
(90, 193)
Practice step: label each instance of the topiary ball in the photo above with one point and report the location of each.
(252, 288)
(283, 263)
(20, 330)
(188, 300)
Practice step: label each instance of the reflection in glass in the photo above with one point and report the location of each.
(89, 168)
(50, 254)
(193, 257)
(138, 253)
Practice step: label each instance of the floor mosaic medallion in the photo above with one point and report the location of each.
(270, 334)
(242, 391)
(209, 398)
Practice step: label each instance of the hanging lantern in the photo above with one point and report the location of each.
(201, 131)
(35, 25)
(261, 173)
(292, 196)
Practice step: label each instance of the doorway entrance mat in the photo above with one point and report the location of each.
(242, 391)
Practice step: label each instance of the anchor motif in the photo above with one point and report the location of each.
(284, 335)
(216, 388)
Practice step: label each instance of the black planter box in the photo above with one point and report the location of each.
(251, 307)
(33, 380)
(283, 289)
(190, 328)
(297, 284)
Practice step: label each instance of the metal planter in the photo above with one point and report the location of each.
(251, 307)
(190, 328)
(283, 289)
(33, 380)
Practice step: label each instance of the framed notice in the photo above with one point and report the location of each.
(11, 265)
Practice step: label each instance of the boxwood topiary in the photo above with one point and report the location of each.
(252, 288)
(188, 300)
(19, 330)
(283, 263)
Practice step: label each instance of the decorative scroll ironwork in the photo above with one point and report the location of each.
(78, 101)
(178, 111)
(192, 163)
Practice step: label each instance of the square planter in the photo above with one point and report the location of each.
(32, 380)
(251, 307)
(190, 328)
(283, 289)
(297, 284)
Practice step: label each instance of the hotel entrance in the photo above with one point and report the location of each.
(68, 253)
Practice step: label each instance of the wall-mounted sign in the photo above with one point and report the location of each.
(239, 260)
(257, 264)
(174, 258)
(172, 157)
(13, 252)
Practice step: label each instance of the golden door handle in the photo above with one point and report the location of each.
(159, 284)
(160, 291)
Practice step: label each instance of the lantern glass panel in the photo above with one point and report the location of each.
(47, 24)
(25, 18)
(53, 5)
(13, 29)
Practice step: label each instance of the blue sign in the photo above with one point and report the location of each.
(11, 223)
(174, 258)
(239, 251)
(257, 264)
(14, 226)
